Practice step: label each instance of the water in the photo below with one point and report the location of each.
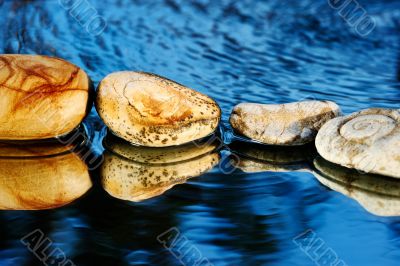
(234, 51)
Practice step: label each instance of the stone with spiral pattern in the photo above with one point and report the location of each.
(368, 141)
(40, 97)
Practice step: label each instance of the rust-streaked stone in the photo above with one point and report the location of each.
(33, 177)
(282, 124)
(368, 141)
(153, 111)
(40, 97)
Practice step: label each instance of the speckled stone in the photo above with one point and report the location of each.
(41, 97)
(282, 124)
(377, 194)
(40, 176)
(368, 141)
(153, 111)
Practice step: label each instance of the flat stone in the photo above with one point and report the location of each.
(137, 181)
(41, 97)
(379, 195)
(282, 124)
(368, 141)
(153, 111)
(36, 177)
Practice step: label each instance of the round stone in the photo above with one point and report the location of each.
(41, 97)
(149, 110)
(368, 141)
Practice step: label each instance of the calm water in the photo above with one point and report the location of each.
(234, 51)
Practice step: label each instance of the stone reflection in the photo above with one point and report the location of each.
(38, 176)
(137, 173)
(261, 158)
(379, 195)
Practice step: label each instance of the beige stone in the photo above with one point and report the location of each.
(40, 176)
(368, 141)
(153, 111)
(40, 97)
(282, 124)
(377, 194)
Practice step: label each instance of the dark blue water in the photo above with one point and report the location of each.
(234, 51)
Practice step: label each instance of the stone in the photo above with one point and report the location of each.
(368, 141)
(138, 180)
(379, 195)
(149, 110)
(40, 176)
(41, 97)
(282, 124)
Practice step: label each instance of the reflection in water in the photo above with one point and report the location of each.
(379, 195)
(40, 176)
(152, 155)
(259, 158)
(137, 173)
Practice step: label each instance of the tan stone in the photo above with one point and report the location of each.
(377, 194)
(282, 124)
(33, 177)
(136, 181)
(368, 141)
(153, 111)
(40, 97)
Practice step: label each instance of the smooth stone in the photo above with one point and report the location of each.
(41, 97)
(153, 111)
(282, 124)
(137, 181)
(368, 141)
(40, 176)
(379, 195)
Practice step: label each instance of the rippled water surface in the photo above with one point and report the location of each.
(234, 51)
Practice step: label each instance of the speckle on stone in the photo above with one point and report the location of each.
(282, 124)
